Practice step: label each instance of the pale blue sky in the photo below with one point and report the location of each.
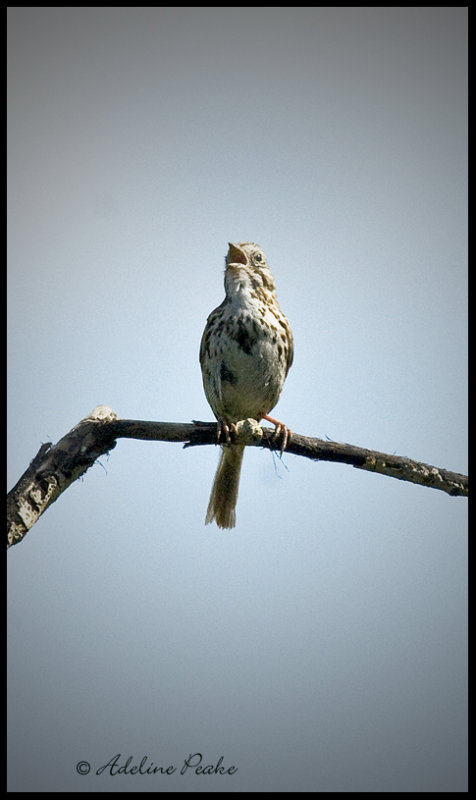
(321, 644)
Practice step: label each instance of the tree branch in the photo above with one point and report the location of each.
(54, 468)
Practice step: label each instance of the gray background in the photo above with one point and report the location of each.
(321, 645)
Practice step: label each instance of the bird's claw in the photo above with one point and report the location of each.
(226, 431)
(281, 431)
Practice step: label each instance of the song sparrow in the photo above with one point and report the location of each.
(245, 354)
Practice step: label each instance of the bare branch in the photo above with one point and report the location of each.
(54, 468)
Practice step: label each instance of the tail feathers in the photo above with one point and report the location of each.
(224, 494)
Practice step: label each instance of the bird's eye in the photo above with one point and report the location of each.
(258, 257)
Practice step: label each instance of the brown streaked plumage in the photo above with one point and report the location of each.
(245, 354)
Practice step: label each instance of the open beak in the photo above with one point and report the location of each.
(235, 254)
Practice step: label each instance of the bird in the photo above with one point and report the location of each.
(246, 352)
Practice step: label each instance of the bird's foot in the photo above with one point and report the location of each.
(281, 431)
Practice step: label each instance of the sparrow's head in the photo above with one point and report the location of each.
(246, 269)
